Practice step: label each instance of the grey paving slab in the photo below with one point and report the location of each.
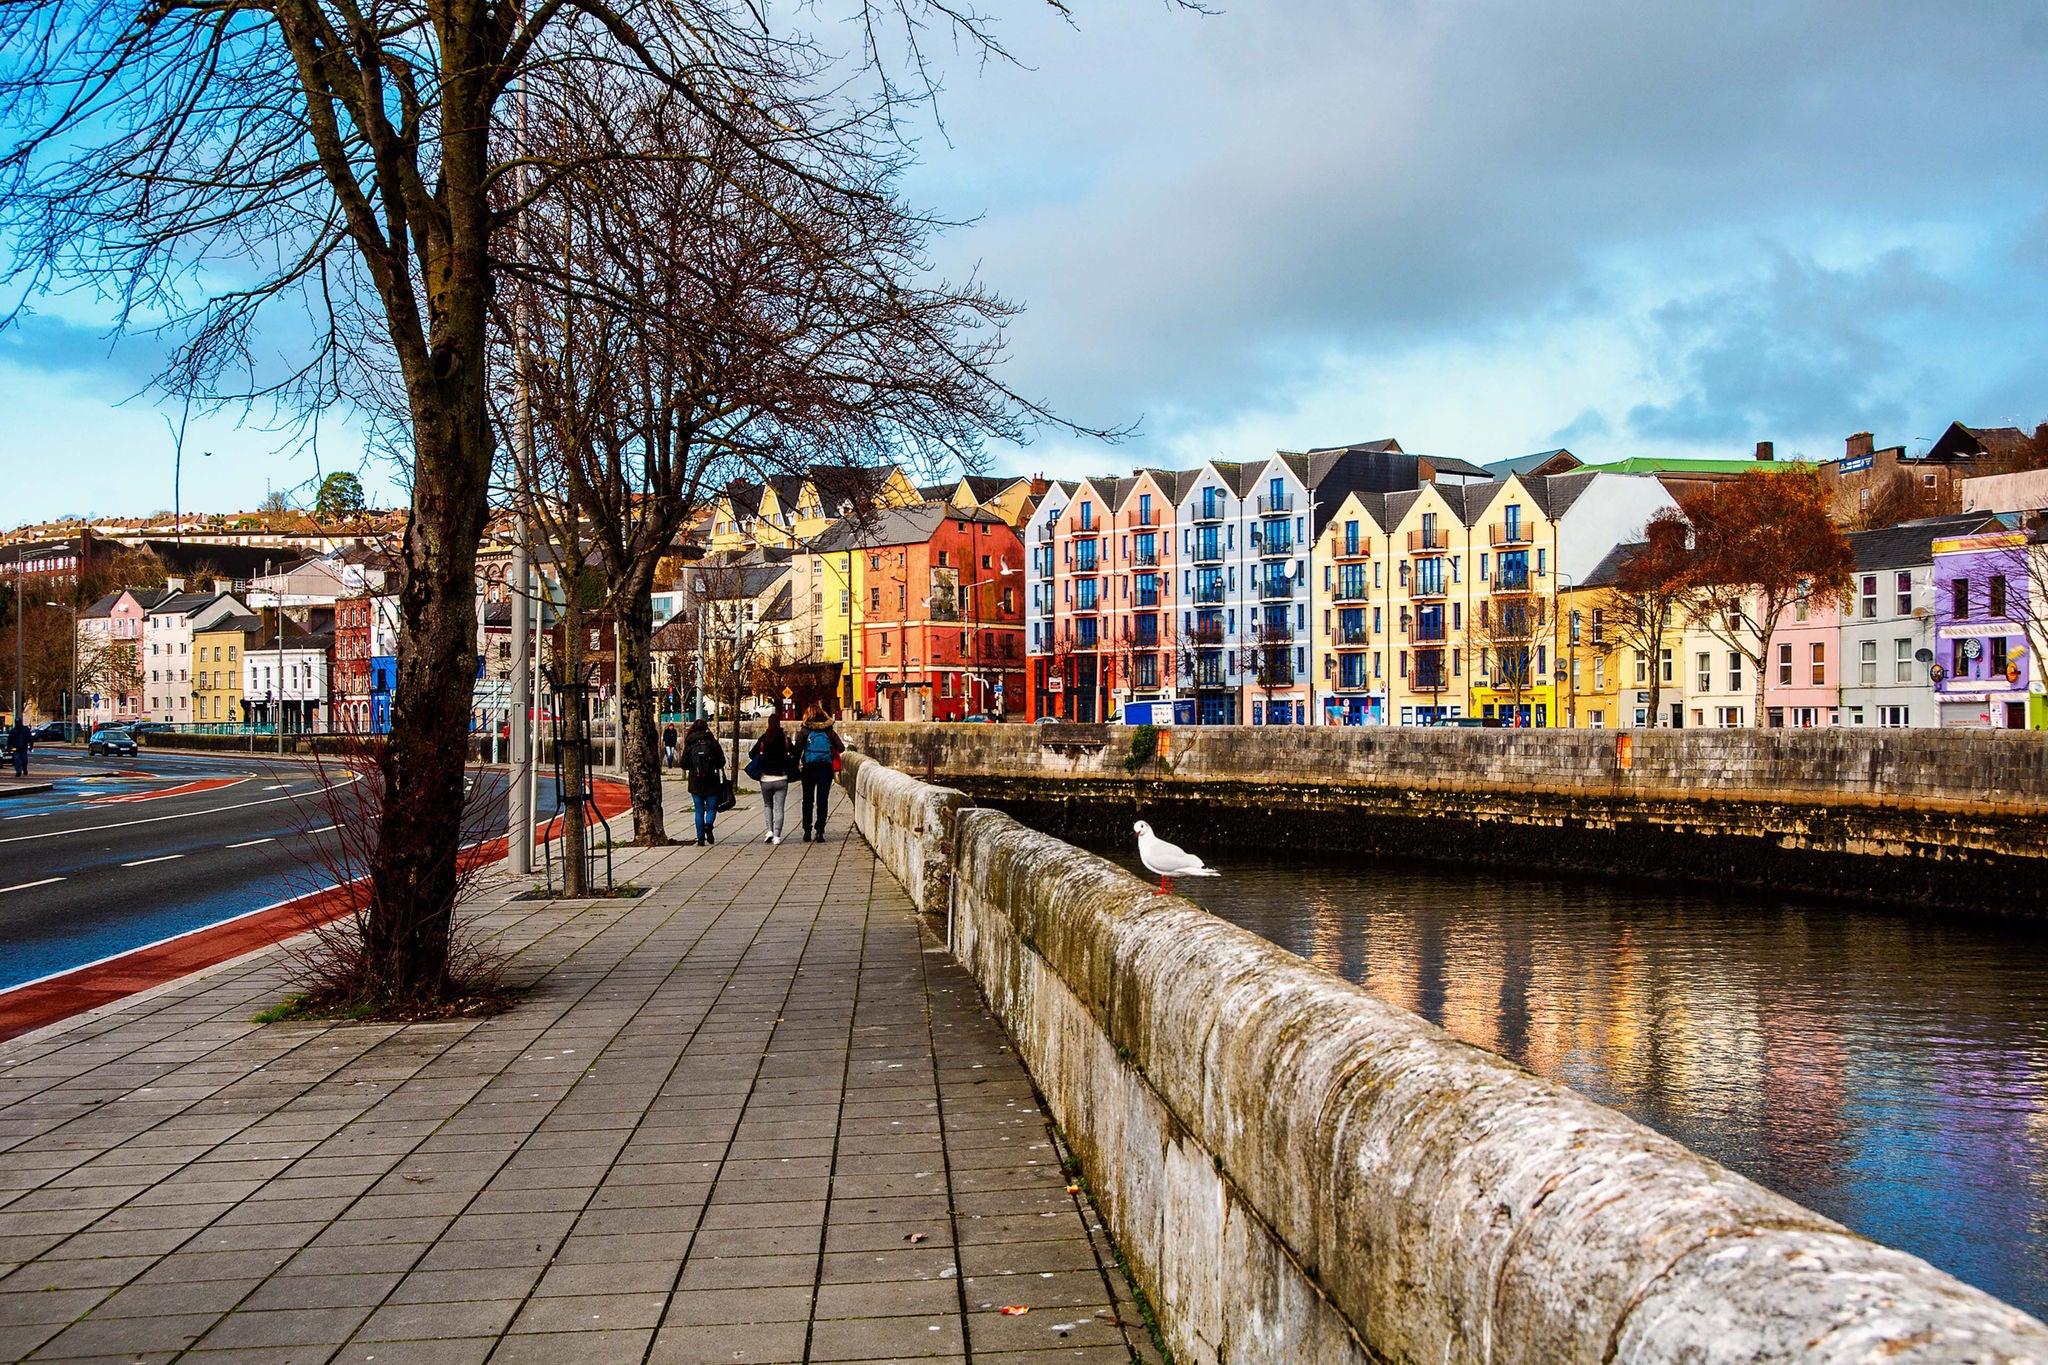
(755, 1115)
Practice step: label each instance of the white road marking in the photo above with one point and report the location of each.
(31, 815)
(26, 885)
(158, 819)
(323, 829)
(161, 858)
(251, 843)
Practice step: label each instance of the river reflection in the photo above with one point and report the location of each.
(1885, 1072)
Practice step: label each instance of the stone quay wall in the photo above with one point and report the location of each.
(1944, 820)
(1299, 1172)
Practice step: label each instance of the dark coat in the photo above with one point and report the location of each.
(811, 726)
(704, 760)
(778, 757)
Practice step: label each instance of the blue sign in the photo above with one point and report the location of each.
(1856, 465)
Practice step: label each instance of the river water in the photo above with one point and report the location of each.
(1889, 1073)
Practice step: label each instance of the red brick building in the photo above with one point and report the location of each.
(942, 626)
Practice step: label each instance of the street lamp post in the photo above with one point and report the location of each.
(72, 607)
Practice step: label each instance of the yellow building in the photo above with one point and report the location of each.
(1599, 691)
(1348, 611)
(1003, 497)
(217, 654)
(788, 511)
(1428, 596)
(1513, 608)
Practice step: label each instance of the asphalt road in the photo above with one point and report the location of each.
(128, 851)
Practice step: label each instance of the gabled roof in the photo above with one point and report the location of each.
(1608, 569)
(1911, 543)
(778, 608)
(1386, 444)
(103, 607)
(241, 623)
(1960, 443)
(1451, 464)
(986, 486)
(1529, 464)
(896, 526)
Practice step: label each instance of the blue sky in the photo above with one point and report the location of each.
(1483, 228)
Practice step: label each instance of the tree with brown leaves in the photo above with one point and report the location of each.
(1760, 543)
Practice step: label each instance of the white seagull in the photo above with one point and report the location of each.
(1168, 860)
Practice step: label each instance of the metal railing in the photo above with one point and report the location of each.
(1277, 506)
(1423, 588)
(1421, 542)
(1276, 589)
(1352, 591)
(1508, 533)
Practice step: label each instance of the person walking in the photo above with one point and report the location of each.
(778, 763)
(704, 762)
(820, 755)
(18, 742)
(668, 746)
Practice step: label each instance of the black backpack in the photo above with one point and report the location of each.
(705, 760)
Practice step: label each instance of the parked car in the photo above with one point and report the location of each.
(112, 740)
(148, 727)
(55, 732)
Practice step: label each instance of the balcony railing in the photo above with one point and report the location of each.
(1209, 594)
(1276, 589)
(1144, 559)
(1279, 506)
(1422, 589)
(1424, 542)
(1208, 551)
(1508, 533)
(1210, 633)
(1362, 551)
(1207, 511)
(1273, 547)
(1429, 634)
(1352, 590)
(1505, 586)
(1143, 519)
(1352, 637)
(1428, 681)
(1088, 563)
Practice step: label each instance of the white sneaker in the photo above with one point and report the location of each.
(775, 838)
(768, 838)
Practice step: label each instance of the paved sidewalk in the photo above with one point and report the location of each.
(755, 1115)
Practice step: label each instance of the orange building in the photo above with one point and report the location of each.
(942, 626)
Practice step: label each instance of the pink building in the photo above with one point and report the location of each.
(1802, 671)
(109, 656)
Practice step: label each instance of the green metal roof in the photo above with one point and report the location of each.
(1662, 464)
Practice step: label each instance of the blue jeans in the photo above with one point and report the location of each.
(817, 779)
(707, 811)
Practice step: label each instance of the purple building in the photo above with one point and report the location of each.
(1984, 670)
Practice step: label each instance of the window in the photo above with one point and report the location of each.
(1904, 589)
(1959, 599)
(1350, 537)
(1735, 671)
(1894, 717)
(1784, 665)
(1819, 664)
(1599, 675)
(1996, 606)
(874, 599)
(942, 559)
(1704, 667)
(1643, 668)
(1998, 654)
(1866, 663)
(1802, 606)
(1482, 568)
(1574, 630)
(1669, 667)
(1902, 659)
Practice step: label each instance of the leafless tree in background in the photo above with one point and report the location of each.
(231, 173)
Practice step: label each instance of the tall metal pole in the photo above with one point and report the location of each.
(20, 678)
(518, 793)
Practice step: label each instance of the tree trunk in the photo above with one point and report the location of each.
(413, 872)
(639, 740)
(575, 734)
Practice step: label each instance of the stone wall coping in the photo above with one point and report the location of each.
(1447, 1204)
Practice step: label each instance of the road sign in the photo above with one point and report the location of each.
(788, 692)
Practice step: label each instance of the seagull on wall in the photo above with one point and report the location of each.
(1168, 860)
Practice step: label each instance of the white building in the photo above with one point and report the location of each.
(1888, 619)
(164, 659)
(292, 680)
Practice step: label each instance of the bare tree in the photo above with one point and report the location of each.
(730, 316)
(1650, 597)
(354, 163)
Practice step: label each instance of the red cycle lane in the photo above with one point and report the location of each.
(40, 1003)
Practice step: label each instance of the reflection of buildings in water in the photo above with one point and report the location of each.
(1473, 973)
(1804, 1145)
(1333, 936)
(1392, 959)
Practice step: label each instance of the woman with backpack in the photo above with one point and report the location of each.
(819, 753)
(704, 761)
(773, 762)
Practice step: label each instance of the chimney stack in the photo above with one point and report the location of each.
(1766, 451)
(1861, 444)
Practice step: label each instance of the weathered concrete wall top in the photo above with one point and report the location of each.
(1298, 1171)
(2003, 769)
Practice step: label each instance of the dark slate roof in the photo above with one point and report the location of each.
(1528, 464)
(936, 492)
(103, 607)
(239, 621)
(986, 486)
(1911, 543)
(1560, 491)
(896, 526)
(1608, 569)
(778, 608)
(1386, 445)
(1451, 464)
